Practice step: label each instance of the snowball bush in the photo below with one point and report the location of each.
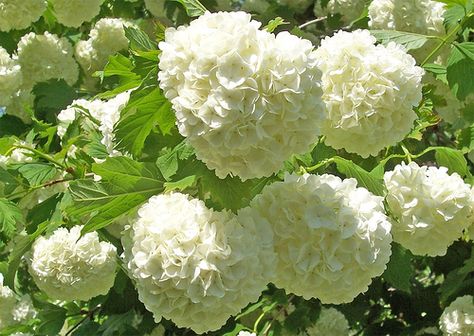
(245, 99)
(331, 237)
(369, 92)
(458, 317)
(415, 16)
(67, 266)
(10, 77)
(7, 305)
(196, 266)
(44, 57)
(107, 37)
(73, 13)
(331, 322)
(107, 113)
(19, 14)
(349, 10)
(431, 207)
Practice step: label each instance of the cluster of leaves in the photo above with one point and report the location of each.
(409, 296)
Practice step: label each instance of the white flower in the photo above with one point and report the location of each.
(246, 333)
(18, 155)
(196, 266)
(7, 304)
(106, 38)
(369, 92)
(431, 208)
(415, 16)
(44, 57)
(73, 13)
(245, 99)
(69, 267)
(331, 322)
(23, 310)
(107, 113)
(10, 77)
(349, 10)
(458, 317)
(19, 14)
(331, 237)
(21, 104)
(156, 7)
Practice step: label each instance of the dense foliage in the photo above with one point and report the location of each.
(177, 167)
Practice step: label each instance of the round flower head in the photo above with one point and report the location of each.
(69, 267)
(245, 99)
(7, 305)
(44, 57)
(196, 266)
(331, 237)
(20, 105)
(106, 38)
(10, 77)
(349, 10)
(73, 13)
(16, 14)
(369, 92)
(331, 322)
(156, 7)
(106, 112)
(431, 207)
(415, 16)
(458, 317)
(18, 155)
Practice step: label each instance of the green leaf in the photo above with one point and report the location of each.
(182, 184)
(52, 319)
(452, 159)
(119, 65)
(42, 212)
(363, 177)
(146, 109)
(10, 216)
(461, 63)
(125, 185)
(139, 40)
(55, 95)
(168, 163)
(408, 40)
(193, 7)
(455, 279)
(399, 271)
(38, 173)
(466, 138)
(454, 2)
(274, 24)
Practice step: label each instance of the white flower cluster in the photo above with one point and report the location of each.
(10, 77)
(20, 104)
(196, 266)
(415, 16)
(246, 333)
(15, 14)
(106, 112)
(73, 13)
(245, 99)
(156, 7)
(331, 322)
(349, 10)
(369, 92)
(44, 57)
(458, 317)
(105, 39)
(69, 267)
(431, 207)
(331, 238)
(14, 310)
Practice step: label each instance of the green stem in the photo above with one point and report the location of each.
(446, 39)
(43, 156)
(319, 165)
(31, 189)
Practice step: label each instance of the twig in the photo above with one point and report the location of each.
(313, 21)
